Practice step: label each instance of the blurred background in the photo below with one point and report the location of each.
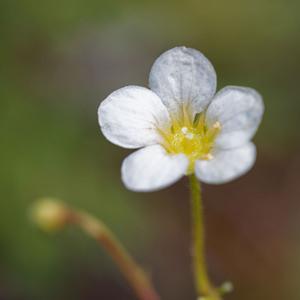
(59, 59)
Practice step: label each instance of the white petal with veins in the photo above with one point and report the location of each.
(226, 164)
(131, 116)
(238, 110)
(152, 168)
(183, 76)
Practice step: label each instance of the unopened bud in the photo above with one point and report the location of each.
(48, 214)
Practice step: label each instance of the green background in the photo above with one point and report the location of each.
(58, 60)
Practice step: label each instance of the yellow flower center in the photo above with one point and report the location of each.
(195, 141)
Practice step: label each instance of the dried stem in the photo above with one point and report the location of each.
(137, 278)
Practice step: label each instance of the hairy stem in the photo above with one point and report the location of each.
(202, 281)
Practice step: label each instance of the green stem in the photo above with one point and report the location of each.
(202, 282)
(135, 275)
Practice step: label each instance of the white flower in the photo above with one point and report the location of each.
(181, 125)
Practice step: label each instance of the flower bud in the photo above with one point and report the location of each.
(48, 214)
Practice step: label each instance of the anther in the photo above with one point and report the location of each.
(184, 130)
(209, 156)
(189, 135)
(217, 125)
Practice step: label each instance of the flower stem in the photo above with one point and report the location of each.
(203, 285)
(138, 279)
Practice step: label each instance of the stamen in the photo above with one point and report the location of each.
(217, 125)
(195, 142)
(199, 124)
(209, 156)
(184, 130)
(175, 123)
(189, 135)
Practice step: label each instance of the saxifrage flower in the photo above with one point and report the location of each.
(181, 125)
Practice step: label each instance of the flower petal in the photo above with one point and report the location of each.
(226, 165)
(183, 77)
(239, 111)
(131, 117)
(152, 168)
